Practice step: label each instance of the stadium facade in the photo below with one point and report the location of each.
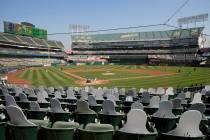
(155, 47)
(22, 50)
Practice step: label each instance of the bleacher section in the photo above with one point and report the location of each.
(18, 50)
(9, 62)
(29, 41)
(181, 44)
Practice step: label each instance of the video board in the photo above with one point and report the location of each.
(24, 30)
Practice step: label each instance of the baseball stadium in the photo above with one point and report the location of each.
(146, 82)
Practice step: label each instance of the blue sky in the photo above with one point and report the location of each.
(57, 15)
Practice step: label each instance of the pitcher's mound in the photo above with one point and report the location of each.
(93, 82)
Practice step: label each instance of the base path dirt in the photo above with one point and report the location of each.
(74, 75)
(13, 79)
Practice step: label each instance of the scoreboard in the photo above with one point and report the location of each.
(24, 30)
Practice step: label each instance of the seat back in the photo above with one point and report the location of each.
(207, 87)
(122, 91)
(70, 94)
(31, 93)
(151, 90)
(129, 98)
(170, 91)
(56, 106)
(137, 105)
(136, 122)
(132, 92)
(17, 116)
(165, 110)
(50, 90)
(188, 125)
(177, 103)
(197, 98)
(17, 91)
(58, 94)
(109, 108)
(112, 98)
(154, 102)
(5, 91)
(10, 100)
(41, 98)
(199, 107)
(44, 93)
(181, 96)
(83, 107)
(188, 95)
(145, 97)
(92, 100)
(99, 95)
(141, 90)
(164, 98)
(34, 106)
(160, 91)
(84, 95)
(87, 89)
(23, 97)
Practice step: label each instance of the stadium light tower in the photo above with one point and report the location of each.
(192, 19)
(77, 29)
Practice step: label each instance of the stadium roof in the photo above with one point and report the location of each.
(140, 36)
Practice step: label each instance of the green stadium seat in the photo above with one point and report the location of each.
(31, 94)
(204, 122)
(93, 104)
(41, 123)
(70, 97)
(96, 132)
(56, 112)
(43, 103)
(187, 128)
(135, 127)
(3, 131)
(19, 127)
(24, 103)
(36, 112)
(153, 106)
(145, 98)
(59, 131)
(83, 114)
(108, 115)
(177, 107)
(10, 100)
(164, 119)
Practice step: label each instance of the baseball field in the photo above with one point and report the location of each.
(112, 75)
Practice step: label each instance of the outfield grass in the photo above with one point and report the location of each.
(47, 77)
(56, 77)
